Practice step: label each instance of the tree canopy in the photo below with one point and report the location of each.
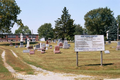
(98, 21)
(23, 30)
(8, 14)
(78, 29)
(45, 31)
(113, 30)
(64, 27)
(118, 22)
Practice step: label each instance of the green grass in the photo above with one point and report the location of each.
(16, 63)
(4, 73)
(89, 62)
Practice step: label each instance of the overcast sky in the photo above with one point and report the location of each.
(37, 12)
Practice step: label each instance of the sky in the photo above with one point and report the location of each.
(35, 13)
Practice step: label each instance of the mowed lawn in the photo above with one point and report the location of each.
(89, 62)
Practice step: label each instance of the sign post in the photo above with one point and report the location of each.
(77, 58)
(101, 58)
(89, 43)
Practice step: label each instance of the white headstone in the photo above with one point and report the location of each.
(28, 41)
(65, 45)
(40, 45)
(107, 52)
(42, 39)
(21, 37)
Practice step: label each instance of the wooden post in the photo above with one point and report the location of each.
(101, 58)
(77, 59)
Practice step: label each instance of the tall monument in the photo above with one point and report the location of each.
(21, 40)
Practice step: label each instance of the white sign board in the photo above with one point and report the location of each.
(89, 43)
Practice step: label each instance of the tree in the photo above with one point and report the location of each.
(118, 29)
(64, 26)
(23, 30)
(78, 29)
(113, 30)
(98, 21)
(8, 14)
(118, 22)
(45, 31)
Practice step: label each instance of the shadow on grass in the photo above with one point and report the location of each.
(33, 42)
(97, 64)
(100, 64)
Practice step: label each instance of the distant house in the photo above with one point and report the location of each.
(16, 37)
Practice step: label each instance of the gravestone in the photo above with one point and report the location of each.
(40, 45)
(50, 46)
(26, 51)
(30, 47)
(54, 41)
(65, 45)
(107, 52)
(60, 44)
(33, 40)
(118, 46)
(57, 49)
(69, 45)
(37, 46)
(16, 46)
(28, 42)
(109, 41)
(47, 43)
(32, 51)
(11, 44)
(43, 45)
(21, 40)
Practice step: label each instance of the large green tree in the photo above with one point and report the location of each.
(78, 29)
(64, 27)
(8, 14)
(23, 30)
(45, 31)
(98, 21)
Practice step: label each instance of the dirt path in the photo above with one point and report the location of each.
(43, 74)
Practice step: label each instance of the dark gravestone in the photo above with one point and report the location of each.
(30, 47)
(109, 41)
(69, 45)
(16, 45)
(37, 46)
(25, 40)
(21, 44)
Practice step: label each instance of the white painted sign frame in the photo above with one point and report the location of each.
(89, 43)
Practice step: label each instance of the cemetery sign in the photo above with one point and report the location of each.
(89, 43)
